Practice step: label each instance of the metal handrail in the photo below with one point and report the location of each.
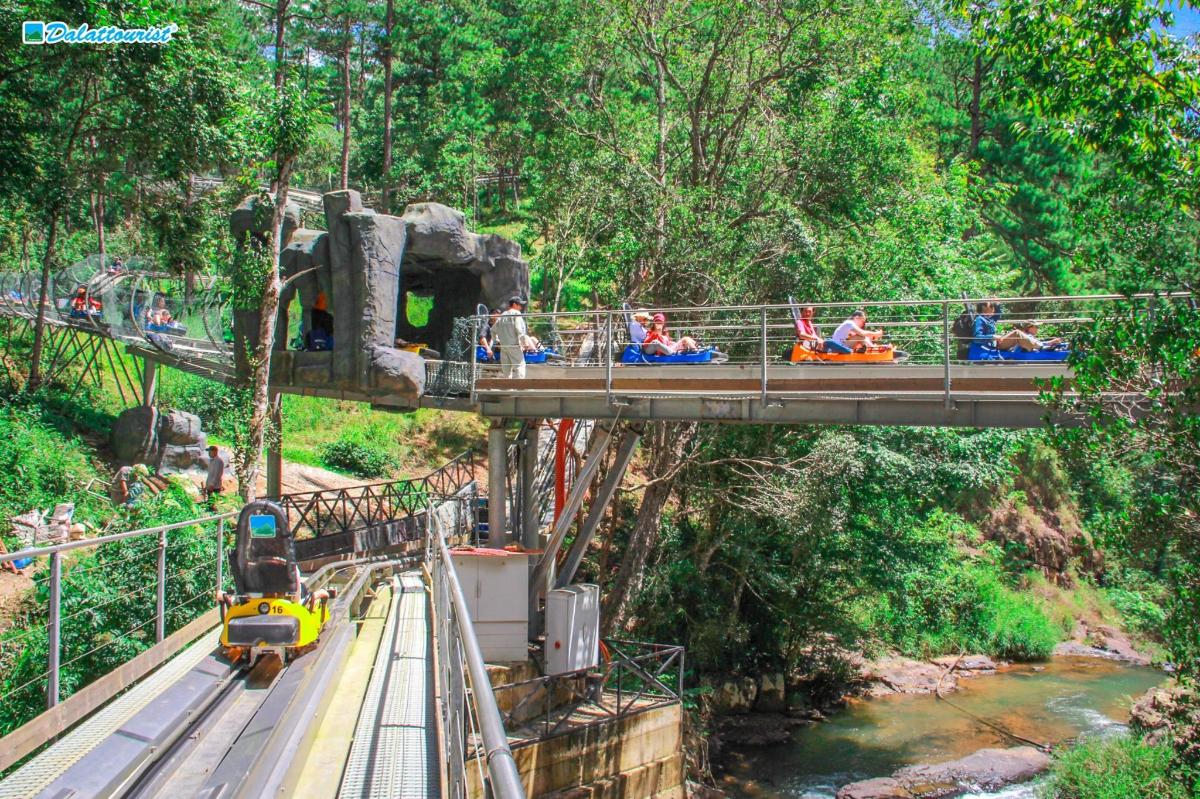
(83, 543)
(502, 766)
(868, 304)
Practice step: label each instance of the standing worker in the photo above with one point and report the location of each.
(510, 332)
(216, 473)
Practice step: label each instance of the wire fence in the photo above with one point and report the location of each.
(97, 603)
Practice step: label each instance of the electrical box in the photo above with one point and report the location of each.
(572, 628)
(495, 583)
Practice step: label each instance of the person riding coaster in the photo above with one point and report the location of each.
(84, 306)
(271, 609)
(850, 343)
(650, 343)
(1019, 344)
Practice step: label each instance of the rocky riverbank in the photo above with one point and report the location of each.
(889, 710)
(986, 769)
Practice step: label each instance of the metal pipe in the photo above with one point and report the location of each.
(497, 463)
(475, 321)
(529, 493)
(608, 357)
(53, 631)
(503, 773)
(220, 554)
(563, 523)
(160, 613)
(600, 503)
(876, 304)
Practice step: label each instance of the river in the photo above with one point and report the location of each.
(1063, 698)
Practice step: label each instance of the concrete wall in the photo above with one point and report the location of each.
(635, 757)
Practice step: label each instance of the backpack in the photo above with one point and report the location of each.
(963, 331)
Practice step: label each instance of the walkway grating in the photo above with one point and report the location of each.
(394, 751)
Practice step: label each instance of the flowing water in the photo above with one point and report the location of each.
(1061, 699)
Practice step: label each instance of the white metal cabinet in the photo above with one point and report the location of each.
(572, 628)
(496, 586)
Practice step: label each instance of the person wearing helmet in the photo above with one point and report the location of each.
(320, 335)
(510, 332)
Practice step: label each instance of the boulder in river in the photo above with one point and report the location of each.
(736, 695)
(988, 769)
(772, 694)
(901, 675)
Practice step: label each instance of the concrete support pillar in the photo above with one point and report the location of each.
(529, 497)
(497, 493)
(149, 381)
(275, 450)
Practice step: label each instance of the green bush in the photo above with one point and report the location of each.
(1138, 610)
(1114, 768)
(357, 452)
(41, 467)
(953, 606)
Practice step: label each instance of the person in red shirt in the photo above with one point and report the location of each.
(806, 331)
(659, 342)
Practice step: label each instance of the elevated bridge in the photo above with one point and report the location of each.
(586, 376)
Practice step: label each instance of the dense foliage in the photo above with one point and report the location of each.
(1119, 767)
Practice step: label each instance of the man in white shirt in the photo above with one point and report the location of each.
(216, 473)
(510, 332)
(852, 335)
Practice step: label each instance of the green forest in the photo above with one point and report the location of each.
(699, 152)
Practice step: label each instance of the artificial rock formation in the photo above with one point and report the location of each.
(170, 442)
(367, 267)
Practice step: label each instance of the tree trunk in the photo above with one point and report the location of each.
(344, 176)
(39, 326)
(98, 211)
(668, 442)
(388, 23)
(261, 375)
(281, 9)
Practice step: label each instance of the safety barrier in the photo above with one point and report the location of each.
(633, 678)
(461, 670)
(155, 600)
(340, 520)
(759, 339)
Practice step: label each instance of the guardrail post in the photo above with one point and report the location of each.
(220, 554)
(52, 629)
(160, 606)
(946, 353)
(474, 343)
(764, 355)
(607, 354)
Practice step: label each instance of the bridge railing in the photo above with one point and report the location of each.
(98, 602)
(921, 331)
(336, 516)
(127, 303)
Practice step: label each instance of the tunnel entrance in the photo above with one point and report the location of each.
(434, 293)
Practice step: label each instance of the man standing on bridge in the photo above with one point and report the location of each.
(510, 333)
